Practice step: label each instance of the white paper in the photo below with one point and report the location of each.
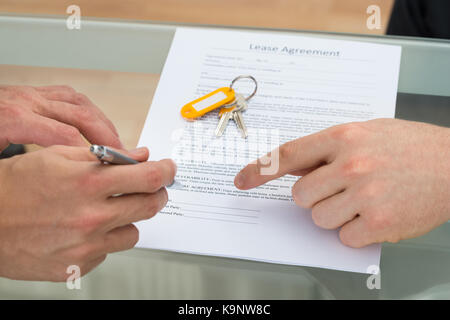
(304, 85)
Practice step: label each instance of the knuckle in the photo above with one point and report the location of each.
(90, 182)
(371, 190)
(29, 94)
(377, 221)
(346, 133)
(11, 111)
(40, 160)
(19, 92)
(88, 223)
(287, 150)
(356, 165)
(84, 114)
(58, 149)
(70, 133)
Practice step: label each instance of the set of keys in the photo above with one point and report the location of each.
(233, 105)
(233, 112)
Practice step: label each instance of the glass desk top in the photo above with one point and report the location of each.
(416, 268)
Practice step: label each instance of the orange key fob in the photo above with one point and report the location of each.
(207, 103)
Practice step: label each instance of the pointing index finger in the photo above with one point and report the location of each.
(300, 154)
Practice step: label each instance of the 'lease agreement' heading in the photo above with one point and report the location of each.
(294, 51)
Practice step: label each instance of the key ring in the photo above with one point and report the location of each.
(246, 77)
(250, 96)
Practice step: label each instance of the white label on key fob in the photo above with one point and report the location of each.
(215, 98)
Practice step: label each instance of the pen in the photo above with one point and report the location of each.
(108, 155)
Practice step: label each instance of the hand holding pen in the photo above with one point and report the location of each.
(77, 217)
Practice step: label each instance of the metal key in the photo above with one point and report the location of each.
(223, 122)
(226, 113)
(241, 105)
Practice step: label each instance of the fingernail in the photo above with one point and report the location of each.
(239, 181)
(138, 151)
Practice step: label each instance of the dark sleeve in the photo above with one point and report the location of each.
(420, 18)
(12, 150)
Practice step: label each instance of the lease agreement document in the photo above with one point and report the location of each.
(304, 85)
